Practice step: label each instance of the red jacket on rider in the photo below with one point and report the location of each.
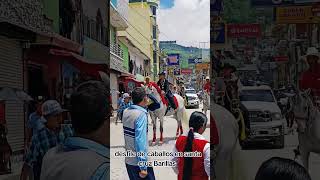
(207, 87)
(155, 85)
(310, 80)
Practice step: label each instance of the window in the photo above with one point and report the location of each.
(153, 10)
(155, 57)
(154, 32)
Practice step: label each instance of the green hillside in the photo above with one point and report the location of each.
(185, 52)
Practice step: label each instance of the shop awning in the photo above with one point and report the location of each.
(49, 56)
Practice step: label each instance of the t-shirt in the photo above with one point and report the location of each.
(310, 80)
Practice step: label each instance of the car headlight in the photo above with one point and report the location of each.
(276, 116)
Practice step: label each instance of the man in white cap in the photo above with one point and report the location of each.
(310, 79)
(125, 104)
(207, 85)
(48, 137)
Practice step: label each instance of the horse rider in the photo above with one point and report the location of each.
(310, 79)
(155, 103)
(164, 84)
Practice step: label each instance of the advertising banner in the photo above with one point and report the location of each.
(295, 15)
(268, 3)
(186, 71)
(218, 35)
(173, 59)
(194, 60)
(244, 30)
(202, 66)
(305, 1)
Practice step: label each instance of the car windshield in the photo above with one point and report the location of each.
(191, 91)
(257, 95)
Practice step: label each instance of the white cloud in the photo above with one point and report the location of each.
(187, 22)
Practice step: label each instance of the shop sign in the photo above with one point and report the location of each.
(218, 35)
(194, 60)
(202, 66)
(244, 30)
(186, 71)
(295, 15)
(173, 59)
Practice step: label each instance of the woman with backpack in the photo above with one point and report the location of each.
(193, 168)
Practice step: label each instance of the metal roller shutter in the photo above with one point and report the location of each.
(11, 75)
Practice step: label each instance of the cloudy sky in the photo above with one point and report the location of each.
(186, 21)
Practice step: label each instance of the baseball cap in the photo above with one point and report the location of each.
(126, 95)
(52, 107)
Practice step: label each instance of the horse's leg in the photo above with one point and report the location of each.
(305, 158)
(161, 129)
(154, 122)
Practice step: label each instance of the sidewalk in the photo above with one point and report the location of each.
(118, 170)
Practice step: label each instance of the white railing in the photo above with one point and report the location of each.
(116, 49)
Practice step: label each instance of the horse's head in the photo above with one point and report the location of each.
(151, 90)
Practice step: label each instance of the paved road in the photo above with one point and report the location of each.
(118, 170)
(255, 157)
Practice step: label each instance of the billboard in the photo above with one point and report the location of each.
(218, 35)
(186, 71)
(173, 59)
(266, 3)
(294, 15)
(194, 60)
(244, 30)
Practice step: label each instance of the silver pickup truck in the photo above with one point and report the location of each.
(265, 118)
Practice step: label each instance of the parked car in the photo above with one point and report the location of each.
(266, 120)
(193, 99)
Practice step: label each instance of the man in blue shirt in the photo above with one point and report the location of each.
(135, 125)
(49, 136)
(124, 104)
(35, 122)
(86, 155)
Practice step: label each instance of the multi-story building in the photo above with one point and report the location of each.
(119, 53)
(142, 38)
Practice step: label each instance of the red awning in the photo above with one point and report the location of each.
(47, 56)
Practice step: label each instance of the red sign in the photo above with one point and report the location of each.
(244, 30)
(281, 58)
(186, 71)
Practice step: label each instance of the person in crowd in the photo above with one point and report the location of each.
(154, 103)
(164, 84)
(207, 85)
(120, 99)
(86, 154)
(125, 104)
(282, 169)
(49, 136)
(195, 168)
(35, 122)
(135, 122)
(310, 79)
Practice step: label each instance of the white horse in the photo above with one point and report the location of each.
(307, 117)
(161, 112)
(206, 102)
(228, 164)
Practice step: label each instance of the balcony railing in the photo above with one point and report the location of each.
(116, 49)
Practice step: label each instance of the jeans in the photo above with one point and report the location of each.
(133, 172)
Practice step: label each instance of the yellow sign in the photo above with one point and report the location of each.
(295, 15)
(202, 66)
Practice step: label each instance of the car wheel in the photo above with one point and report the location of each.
(279, 142)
